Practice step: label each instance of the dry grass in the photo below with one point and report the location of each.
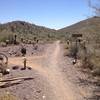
(7, 96)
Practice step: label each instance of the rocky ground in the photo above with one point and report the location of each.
(52, 77)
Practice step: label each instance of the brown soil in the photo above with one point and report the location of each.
(54, 77)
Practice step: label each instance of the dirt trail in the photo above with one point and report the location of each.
(48, 66)
(61, 90)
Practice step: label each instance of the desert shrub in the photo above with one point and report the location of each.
(88, 55)
(3, 44)
(86, 63)
(91, 59)
(73, 50)
(95, 60)
(3, 39)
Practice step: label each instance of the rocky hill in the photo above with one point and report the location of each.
(25, 30)
(90, 28)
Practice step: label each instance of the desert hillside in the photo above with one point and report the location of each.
(25, 30)
(90, 28)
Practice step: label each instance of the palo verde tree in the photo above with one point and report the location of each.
(95, 6)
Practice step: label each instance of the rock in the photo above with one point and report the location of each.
(15, 67)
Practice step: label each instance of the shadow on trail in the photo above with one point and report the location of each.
(11, 82)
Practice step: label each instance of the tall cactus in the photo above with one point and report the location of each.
(15, 39)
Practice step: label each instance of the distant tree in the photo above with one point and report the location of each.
(95, 7)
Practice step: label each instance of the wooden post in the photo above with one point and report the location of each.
(25, 62)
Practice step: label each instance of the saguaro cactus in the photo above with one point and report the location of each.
(15, 39)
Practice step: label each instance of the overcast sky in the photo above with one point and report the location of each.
(54, 14)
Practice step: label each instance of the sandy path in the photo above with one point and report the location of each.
(47, 66)
(61, 90)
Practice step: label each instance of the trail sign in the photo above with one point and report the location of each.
(76, 35)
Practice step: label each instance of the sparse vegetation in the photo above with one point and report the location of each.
(90, 28)
(7, 96)
(89, 56)
(30, 34)
(25, 30)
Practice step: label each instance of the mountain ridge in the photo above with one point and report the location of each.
(90, 26)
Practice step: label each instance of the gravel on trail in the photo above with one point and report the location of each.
(52, 77)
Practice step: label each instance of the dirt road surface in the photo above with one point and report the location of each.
(59, 84)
